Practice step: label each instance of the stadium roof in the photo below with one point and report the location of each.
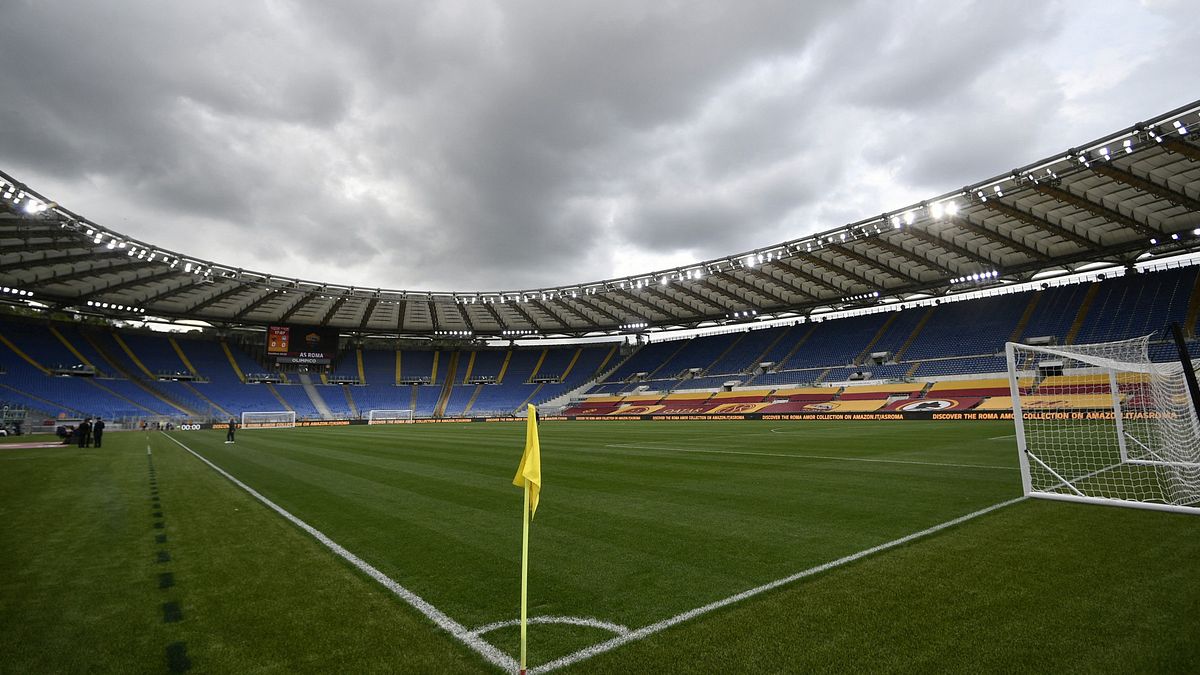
(1130, 195)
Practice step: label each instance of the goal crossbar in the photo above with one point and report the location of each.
(390, 416)
(269, 419)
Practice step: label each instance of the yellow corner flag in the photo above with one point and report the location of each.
(530, 469)
(529, 476)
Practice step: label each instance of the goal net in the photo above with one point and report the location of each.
(280, 419)
(389, 416)
(1103, 423)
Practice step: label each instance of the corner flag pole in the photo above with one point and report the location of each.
(524, 575)
(529, 477)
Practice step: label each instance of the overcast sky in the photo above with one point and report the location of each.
(461, 144)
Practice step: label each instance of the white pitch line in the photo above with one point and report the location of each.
(572, 620)
(646, 631)
(454, 628)
(830, 457)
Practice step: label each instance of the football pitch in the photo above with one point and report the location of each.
(657, 547)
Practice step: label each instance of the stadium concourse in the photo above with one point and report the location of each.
(905, 311)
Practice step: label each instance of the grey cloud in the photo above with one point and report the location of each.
(460, 144)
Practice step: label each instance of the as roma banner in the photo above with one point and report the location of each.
(737, 408)
(934, 404)
(636, 410)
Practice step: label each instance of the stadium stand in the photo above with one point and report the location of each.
(70, 369)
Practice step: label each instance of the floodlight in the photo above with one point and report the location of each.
(937, 210)
(951, 208)
(909, 217)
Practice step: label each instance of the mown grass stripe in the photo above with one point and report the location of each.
(455, 629)
(646, 631)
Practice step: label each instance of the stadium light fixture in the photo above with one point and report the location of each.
(1128, 145)
(1179, 126)
(112, 243)
(909, 218)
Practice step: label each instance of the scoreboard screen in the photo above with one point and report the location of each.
(302, 344)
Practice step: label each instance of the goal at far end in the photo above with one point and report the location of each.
(278, 419)
(389, 416)
(1104, 424)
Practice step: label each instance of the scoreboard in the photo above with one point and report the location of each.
(302, 344)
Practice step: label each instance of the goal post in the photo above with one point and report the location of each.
(1103, 423)
(276, 419)
(389, 416)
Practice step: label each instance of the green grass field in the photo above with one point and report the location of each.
(640, 522)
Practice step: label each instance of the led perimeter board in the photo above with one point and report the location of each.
(313, 345)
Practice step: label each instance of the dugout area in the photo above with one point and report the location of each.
(155, 561)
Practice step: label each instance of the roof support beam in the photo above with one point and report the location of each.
(1146, 185)
(903, 277)
(238, 287)
(305, 298)
(516, 305)
(898, 250)
(52, 245)
(333, 309)
(1041, 223)
(462, 313)
(807, 276)
(637, 303)
(562, 302)
(735, 300)
(707, 305)
(142, 281)
(401, 310)
(674, 302)
(741, 283)
(433, 319)
(839, 269)
(487, 306)
(366, 317)
(630, 312)
(1111, 215)
(597, 309)
(545, 307)
(123, 263)
(1008, 242)
(1182, 147)
(259, 302)
(761, 273)
(950, 246)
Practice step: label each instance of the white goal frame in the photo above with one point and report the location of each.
(269, 419)
(389, 416)
(1136, 446)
